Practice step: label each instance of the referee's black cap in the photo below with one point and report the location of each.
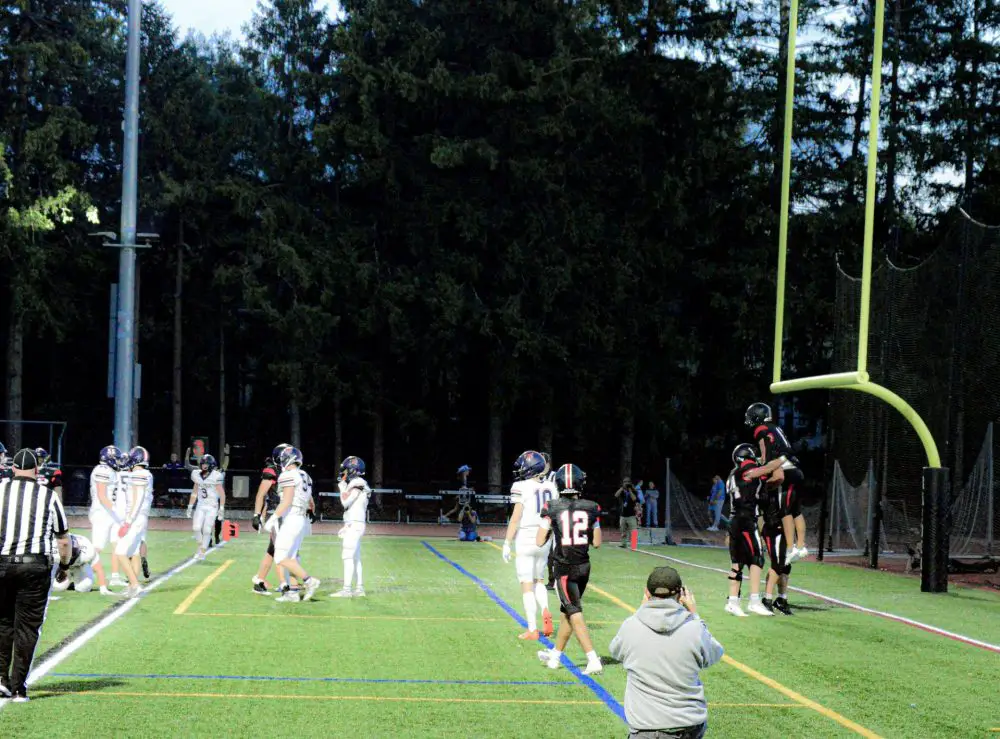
(25, 459)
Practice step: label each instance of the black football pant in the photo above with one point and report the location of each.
(24, 594)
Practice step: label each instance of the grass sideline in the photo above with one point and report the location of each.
(431, 654)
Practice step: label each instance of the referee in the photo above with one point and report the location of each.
(30, 514)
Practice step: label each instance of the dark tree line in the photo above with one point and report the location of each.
(435, 232)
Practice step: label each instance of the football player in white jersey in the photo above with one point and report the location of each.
(210, 496)
(78, 573)
(354, 496)
(139, 499)
(529, 494)
(104, 518)
(291, 521)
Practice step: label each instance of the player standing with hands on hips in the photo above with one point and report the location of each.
(354, 496)
(574, 525)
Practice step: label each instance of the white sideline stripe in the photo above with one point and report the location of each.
(37, 673)
(846, 604)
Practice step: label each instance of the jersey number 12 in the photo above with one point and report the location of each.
(574, 535)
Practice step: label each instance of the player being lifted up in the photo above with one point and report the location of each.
(210, 496)
(785, 477)
(289, 522)
(354, 496)
(530, 493)
(574, 525)
(745, 550)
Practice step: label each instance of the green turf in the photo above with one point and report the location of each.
(425, 621)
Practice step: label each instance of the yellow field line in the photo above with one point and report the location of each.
(771, 683)
(182, 608)
(336, 617)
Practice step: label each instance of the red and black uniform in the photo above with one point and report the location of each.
(774, 533)
(51, 477)
(573, 522)
(744, 494)
(776, 446)
(271, 498)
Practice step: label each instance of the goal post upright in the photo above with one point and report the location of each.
(936, 504)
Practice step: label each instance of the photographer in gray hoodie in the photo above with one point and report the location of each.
(663, 646)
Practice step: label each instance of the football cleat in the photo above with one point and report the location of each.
(4, 691)
(781, 606)
(734, 608)
(759, 609)
(359, 592)
(20, 698)
(291, 596)
(344, 593)
(529, 635)
(547, 627)
(593, 668)
(260, 588)
(312, 585)
(767, 603)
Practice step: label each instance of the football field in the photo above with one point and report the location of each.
(432, 652)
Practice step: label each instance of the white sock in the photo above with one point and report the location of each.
(529, 610)
(734, 600)
(348, 573)
(541, 596)
(592, 656)
(755, 597)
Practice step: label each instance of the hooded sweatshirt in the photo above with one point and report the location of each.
(663, 647)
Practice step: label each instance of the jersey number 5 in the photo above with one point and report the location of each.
(575, 535)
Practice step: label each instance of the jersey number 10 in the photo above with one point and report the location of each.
(542, 496)
(574, 535)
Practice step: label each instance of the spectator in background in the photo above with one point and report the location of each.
(628, 498)
(469, 520)
(174, 463)
(716, 499)
(652, 506)
(663, 647)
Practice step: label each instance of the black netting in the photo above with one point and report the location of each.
(934, 339)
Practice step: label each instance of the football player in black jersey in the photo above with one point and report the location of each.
(775, 543)
(574, 525)
(745, 550)
(6, 473)
(785, 477)
(266, 503)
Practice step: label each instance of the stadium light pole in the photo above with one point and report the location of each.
(125, 322)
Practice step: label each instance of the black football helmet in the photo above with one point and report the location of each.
(743, 453)
(570, 480)
(757, 414)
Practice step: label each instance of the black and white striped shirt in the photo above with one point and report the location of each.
(30, 513)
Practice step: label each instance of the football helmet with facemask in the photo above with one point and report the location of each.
(352, 467)
(570, 480)
(528, 465)
(757, 414)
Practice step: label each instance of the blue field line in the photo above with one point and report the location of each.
(595, 687)
(266, 678)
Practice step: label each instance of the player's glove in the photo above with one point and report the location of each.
(256, 522)
(506, 552)
(61, 576)
(312, 516)
(271, 525)
(123, 529)
(222, 512)
(190, 511)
